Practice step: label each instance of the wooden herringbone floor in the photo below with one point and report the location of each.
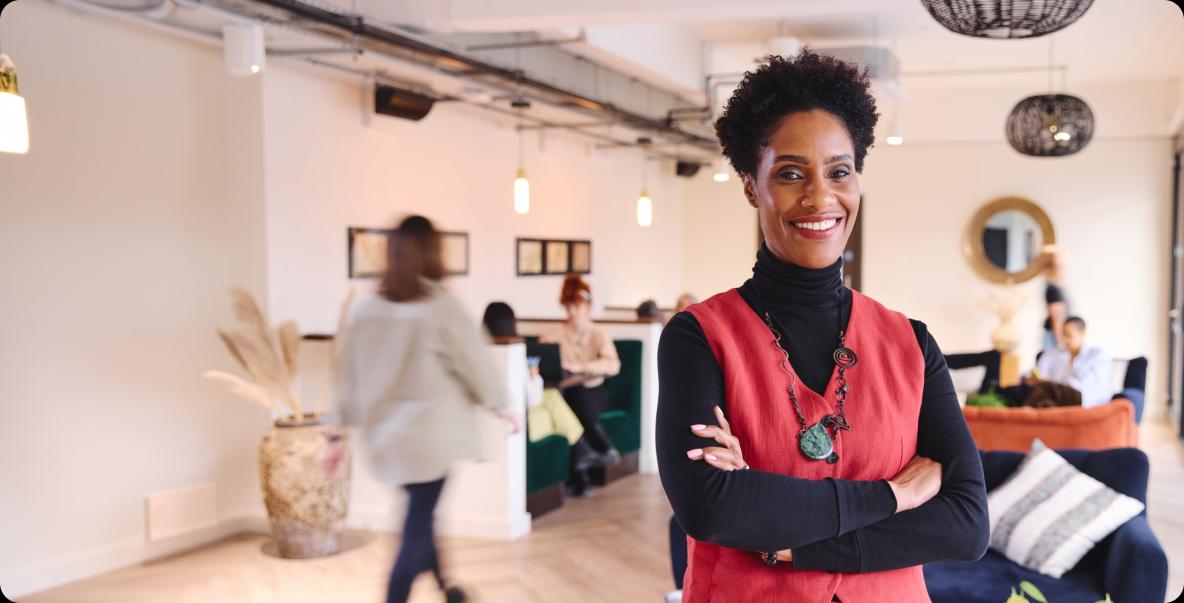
(609, 548)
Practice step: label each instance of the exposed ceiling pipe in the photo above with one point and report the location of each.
(457, 64)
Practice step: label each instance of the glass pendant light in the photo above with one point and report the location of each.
(521, 184)
(521, 192)
(14, 122)
(645, 206)
(721, 172)
(645, 210)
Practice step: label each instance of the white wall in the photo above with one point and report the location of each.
(120, 232)
(719, 239)
(326, 170)
(1109, 204)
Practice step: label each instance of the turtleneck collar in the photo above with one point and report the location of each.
(783, 284)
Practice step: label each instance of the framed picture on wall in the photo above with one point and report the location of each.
(530, 257)
(581, 257)
(541, 257)
(368, 252)
(558, 258)
(456, 252)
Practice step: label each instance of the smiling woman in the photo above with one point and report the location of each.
(803, 426)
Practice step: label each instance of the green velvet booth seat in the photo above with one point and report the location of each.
(547, 460)
(622, 419)
(547, 470)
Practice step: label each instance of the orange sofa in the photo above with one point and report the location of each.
(1111, 425)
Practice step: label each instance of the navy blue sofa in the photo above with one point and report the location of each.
(1129, 564)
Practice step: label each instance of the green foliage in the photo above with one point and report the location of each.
(987, 400)
(1027, 589)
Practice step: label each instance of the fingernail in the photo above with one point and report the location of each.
(711, 457)
(696, 453)
(698, 427)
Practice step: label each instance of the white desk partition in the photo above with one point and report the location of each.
(648, 333)
(484, 498)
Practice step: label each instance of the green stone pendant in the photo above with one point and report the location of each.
(815, 443)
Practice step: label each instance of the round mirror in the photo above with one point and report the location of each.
(1004, 240)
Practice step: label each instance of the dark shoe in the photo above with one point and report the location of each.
(612, 457)
(583, 456)
(454, 594)
(574, 491)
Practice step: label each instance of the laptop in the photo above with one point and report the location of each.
(550, 368)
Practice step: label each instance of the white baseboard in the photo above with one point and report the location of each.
(24, 581)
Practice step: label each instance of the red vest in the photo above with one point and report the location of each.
(883, 405)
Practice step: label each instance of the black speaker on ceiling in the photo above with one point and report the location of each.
(405, 104)
(687, 169)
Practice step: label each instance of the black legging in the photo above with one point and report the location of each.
(588, 403)
(418, 551)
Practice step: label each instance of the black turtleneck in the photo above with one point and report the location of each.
(830, 524)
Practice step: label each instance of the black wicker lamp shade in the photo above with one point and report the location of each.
(1050, 125)
(1006, 18)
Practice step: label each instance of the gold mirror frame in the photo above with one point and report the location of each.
(972, 243)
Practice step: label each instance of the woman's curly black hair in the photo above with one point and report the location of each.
(781, 86)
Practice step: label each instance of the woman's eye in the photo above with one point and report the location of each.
(840, 173)
(789, 175)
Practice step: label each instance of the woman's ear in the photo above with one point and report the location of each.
(749, 189)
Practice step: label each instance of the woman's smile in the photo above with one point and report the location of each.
(822, 226)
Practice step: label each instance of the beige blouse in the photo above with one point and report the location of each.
(589, 347)
(413, 377)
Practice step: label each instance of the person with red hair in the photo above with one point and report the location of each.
(589, 356)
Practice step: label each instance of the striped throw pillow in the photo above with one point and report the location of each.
(1048, 515)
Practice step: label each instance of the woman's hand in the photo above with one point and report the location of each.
(513, 421)
(728, 458)
(918, 482)
(574, 368)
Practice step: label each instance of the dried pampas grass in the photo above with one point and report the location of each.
(240, 386)
(272, 358)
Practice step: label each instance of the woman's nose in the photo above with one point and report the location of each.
(816, 195)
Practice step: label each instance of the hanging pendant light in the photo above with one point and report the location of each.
(645, 210)
(521, 184)
(521, 192)
(721, 173)
(1006, 18)
(1050, 125)
(14, 121)
(645, 206)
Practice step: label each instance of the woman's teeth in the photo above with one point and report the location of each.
(820, 225)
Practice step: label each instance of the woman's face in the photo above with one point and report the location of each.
(806, 189)
(577, 313)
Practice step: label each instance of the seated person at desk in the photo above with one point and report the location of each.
(589, 356)
(546, 411)
(1073, 375)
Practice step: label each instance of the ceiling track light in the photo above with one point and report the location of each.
(244, 49)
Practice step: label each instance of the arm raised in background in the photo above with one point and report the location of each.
(952, 526)
(749, 510)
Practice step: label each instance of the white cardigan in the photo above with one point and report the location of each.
(413, 376)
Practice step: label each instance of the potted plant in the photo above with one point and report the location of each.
(304, 464)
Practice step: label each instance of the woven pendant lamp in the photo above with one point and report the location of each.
(1050, 125)
(1006, 18)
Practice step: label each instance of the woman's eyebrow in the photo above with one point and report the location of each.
(806, 161)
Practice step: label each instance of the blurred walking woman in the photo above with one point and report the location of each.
(809, 439)
(415, 372)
